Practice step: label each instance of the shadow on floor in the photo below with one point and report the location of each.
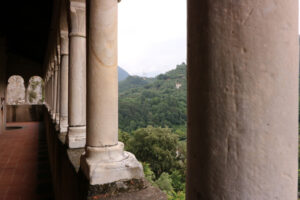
(44, 188)
(9, 128)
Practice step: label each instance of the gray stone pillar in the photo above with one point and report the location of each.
(64, 82)
(55, 82)
(77, 76)
(105, 160)
(48, 77)
(52, 91)
(57, 113)
(242, 99)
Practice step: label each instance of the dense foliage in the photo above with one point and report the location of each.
(163, 157)
(157, 102)
(152, 122)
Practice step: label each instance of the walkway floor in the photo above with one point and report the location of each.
(24, 164)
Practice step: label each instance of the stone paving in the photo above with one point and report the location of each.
(24, 163)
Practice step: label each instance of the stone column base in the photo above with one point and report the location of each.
(63, 128)
(63, 124)
(103, 165)
(76, 137)
(57, 118)
(52, 115)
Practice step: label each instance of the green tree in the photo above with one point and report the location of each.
(164, 182)
(156, 146)
(149, 174)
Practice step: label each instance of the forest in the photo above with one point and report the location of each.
(152, 124)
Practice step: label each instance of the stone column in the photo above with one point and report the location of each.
(242, 99)
(77, 76)
(64, 78)
(48, 89)
(52, 90)
(55, 82)
(105, 160)
(57, 116)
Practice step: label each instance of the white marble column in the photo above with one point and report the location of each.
(76, 137)
(105, 160)
(243, 74)
(64, 78)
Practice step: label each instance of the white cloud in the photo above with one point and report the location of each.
(152, 35)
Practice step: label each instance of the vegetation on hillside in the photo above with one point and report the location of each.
(152, 122)
(160, 102)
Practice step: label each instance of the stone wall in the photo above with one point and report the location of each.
(70, 183)
(2, 83)
(24, 113)
(15, 91)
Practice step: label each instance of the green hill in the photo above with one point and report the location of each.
(133, 82)
(160, 101)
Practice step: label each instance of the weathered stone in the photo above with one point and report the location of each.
(77, 76)
(242, 99)
(105, 161)
(64, 79)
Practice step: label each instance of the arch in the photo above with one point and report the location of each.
(15, 90)
(35, 90)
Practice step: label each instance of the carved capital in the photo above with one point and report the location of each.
(64, 42)
(56, 63)
(77, 19)
(52, 64)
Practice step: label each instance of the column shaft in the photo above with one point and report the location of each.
(104, 154)
(57, 114)
(64, 78)
(242, 99)
(77, 77)
(55, 83)
(102, 95)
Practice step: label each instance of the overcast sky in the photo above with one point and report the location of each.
(152, 35)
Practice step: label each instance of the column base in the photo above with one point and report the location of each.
(56, 127)
(76, 137)
(63, 124)
(103, 165)
(57, 118)
(52, 114)
(63, 128)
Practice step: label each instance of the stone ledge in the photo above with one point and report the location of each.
(74, 157)
(74, 185)
(137, 190)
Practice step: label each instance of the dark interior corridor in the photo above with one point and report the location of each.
(24, 164)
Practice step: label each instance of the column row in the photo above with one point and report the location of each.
(82, 89)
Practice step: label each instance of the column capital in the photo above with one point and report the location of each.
(51, 65)
(64, 42)
(77, 19)
(56, 65)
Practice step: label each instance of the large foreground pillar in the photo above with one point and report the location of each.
(242, 99)
(105, 160)
(77, 76)
(64, 78)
